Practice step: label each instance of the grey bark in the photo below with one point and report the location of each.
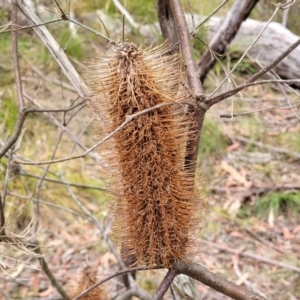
(226, 32)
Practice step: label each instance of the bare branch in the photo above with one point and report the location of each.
(62, 127)
(128, 119)
(89, 29)
(31, 26)
(251, 255)
(71, 211)
(49, 274)
(216, 282)
(122, 272)
(17, 130)
(166, 22)
(18, 81)
(227, 31)
(124, 12)
(56, 51)
(213, 100)
(86, 186)
(246, 51)
(53, 80)
(194, 84)
(20, 121)
(165, 284)
(211, 14)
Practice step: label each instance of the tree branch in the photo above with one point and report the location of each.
(128, 119)
(165, 284)
(122, 272)
(56, 51)
(230, 26)
(194, 84)
(217, 282)
(18, 81)
(213, 100)
(49, 274)
(18, 127)
(166, 22)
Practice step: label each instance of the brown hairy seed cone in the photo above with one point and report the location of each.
(87, 279)
(155, 212)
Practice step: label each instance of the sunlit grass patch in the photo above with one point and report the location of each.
(213, 141)
(279, 203)
(8, 112)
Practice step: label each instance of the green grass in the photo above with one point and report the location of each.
(212, 139)
(8, 112)
(280, 203)
(71, 44)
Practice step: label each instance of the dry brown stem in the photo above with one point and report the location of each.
(14, 19)
(134, 290)
(165, 284)
(216, 281)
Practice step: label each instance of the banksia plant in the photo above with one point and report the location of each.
(154, 212)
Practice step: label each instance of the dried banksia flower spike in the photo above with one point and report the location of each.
(154, 212)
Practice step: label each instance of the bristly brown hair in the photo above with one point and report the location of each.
(87, 279)
(155, 209)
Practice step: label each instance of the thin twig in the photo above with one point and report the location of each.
(56, 51)
(246, 51)
(89, 29)
(128, 119)
(294, 155)
(239, 11)
(287, 106)
(71, 211)
(125, 13)
(18, 81)
(20, 121)
(211, 14)
(122, 272)
(17, 130)
(63, 169)
(62, 127)
(251, 255)
(165, 284)
(247, 283)
(85, 186)
(49, 274)
(39, 184)
(213, 100)
(53, 80)
(32, 26)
